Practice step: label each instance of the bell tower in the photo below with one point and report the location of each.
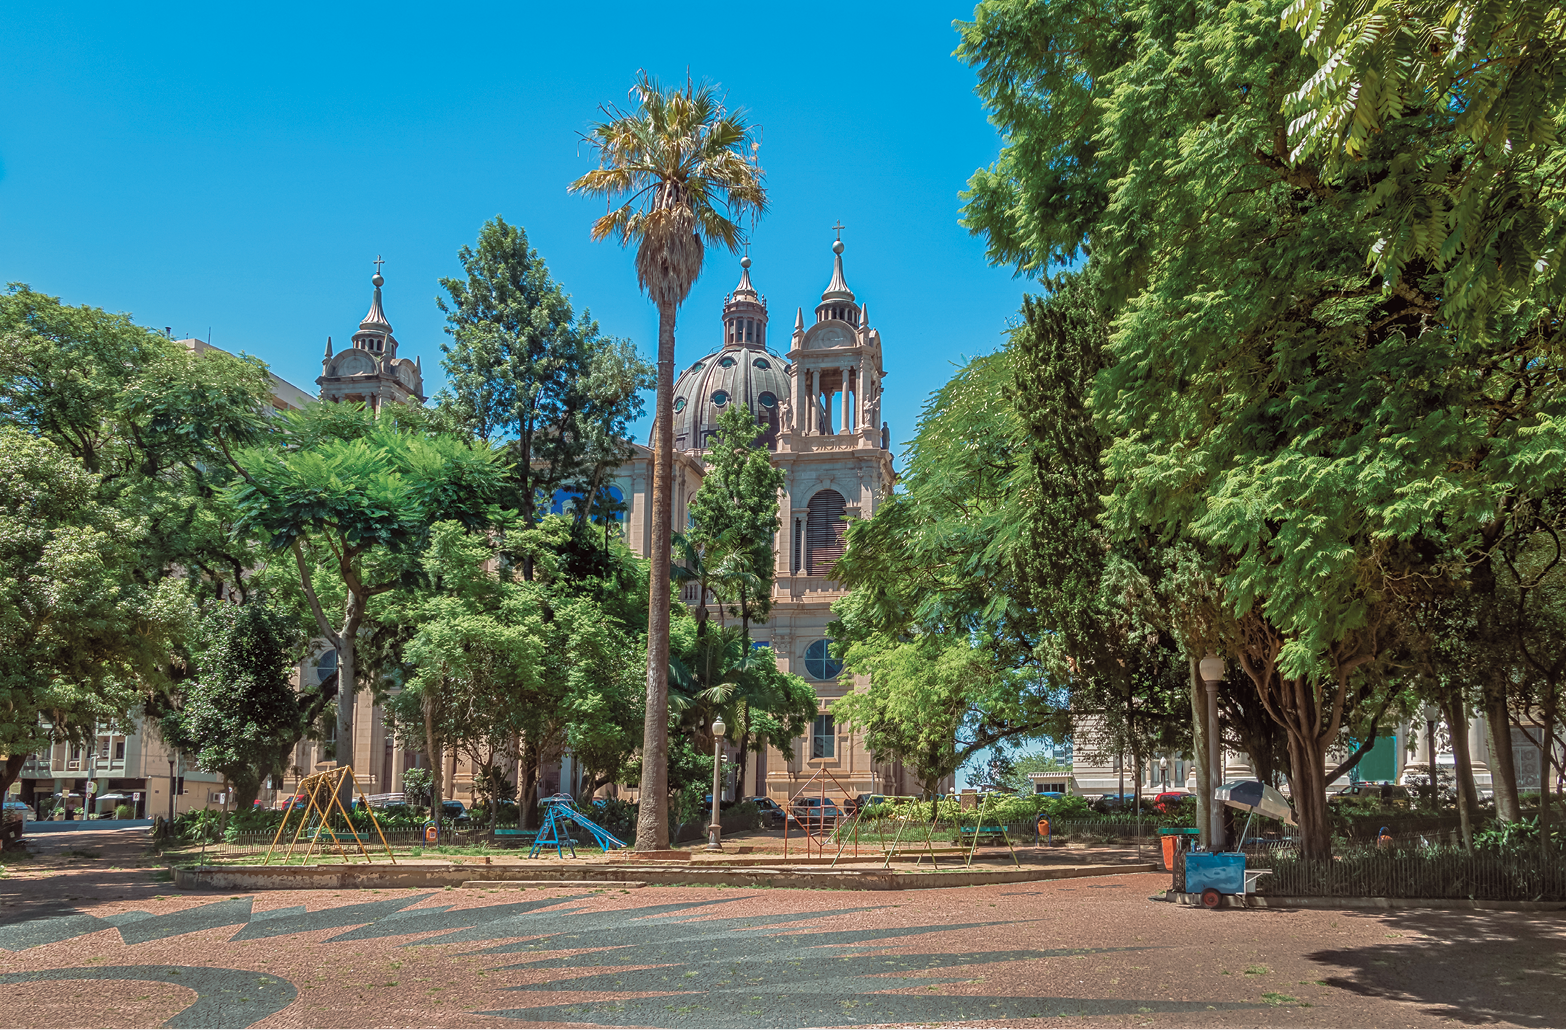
(370, 372)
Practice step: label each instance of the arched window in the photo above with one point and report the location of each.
(819, 663)
(726, 363)
(326, 666)
(617, 499)
(824, 532)
(679, 405)
(762, 363)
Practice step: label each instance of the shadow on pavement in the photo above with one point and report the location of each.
(1474, 967)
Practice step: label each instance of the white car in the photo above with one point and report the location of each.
(15, 808)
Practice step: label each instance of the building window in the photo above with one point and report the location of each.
(768, 399)
(720, 397)
(824, 532)
(762, 363)
(756, 645)
(679, 404)
(726, 363)
(119, 751)
(820, 663)
(326, 666)
(823, 737)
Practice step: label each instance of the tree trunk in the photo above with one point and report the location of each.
(246, 789)
(744, 764)
(1204, 788)
(10, 771)
(527, 783)
(652, 819)
(1308, 785)
(432, 746)
(1503, 770)
(1462, 770)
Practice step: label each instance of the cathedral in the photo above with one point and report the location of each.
(818, 398)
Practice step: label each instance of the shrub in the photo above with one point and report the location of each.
(614, 815)
(417, 786)
(124, 812)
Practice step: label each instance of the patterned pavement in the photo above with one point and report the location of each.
(92, 941)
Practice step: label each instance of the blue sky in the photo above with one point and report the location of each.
(235, 169)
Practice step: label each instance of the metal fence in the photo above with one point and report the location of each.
(1417, 874)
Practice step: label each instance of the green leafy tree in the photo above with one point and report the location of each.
(736, 511)
(241, 716)
(80, 632)
(678, 166)
(354, 498)
(527, 371)
(1324, 435)
(1472, 94)
(115, 445)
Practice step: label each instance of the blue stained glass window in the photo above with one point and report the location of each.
(819, 662)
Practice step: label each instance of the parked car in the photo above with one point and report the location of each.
(1389, 793)
(16, 808)
(454, 810)
(854, 804)
(816, 813)
(772, 813)
(1170, 799)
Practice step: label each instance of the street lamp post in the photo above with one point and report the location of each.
(171, 790)
(715, 829)
(1212, 669)
(1432, 715)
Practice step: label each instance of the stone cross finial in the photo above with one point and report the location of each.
(839, 227)
(378, 262)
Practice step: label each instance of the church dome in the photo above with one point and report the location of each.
(743, 372)
(746, 374)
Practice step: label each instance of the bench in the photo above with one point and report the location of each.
(981, 834)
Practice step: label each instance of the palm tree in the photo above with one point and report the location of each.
(684, 173)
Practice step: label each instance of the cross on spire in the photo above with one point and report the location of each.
(839, 227)
(378, 262)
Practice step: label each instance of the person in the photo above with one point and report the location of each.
(1384, 838)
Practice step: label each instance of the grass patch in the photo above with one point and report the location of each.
(1274, 998)
(1256, 971)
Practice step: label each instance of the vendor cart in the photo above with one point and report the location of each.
(1217, 878)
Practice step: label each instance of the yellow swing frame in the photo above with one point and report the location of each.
(331, 782)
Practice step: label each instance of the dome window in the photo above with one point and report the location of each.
(698, 364)
(679, 404)
(720, 397)
(726, 363)
(762, 363)
(768, 399)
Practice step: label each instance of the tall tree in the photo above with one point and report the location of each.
(115, 444)
(353, 497)
(684, 171)
(736, 509)
(240, 715)
(524, 370)
(1324, 433)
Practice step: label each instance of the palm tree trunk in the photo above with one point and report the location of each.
(652, 819)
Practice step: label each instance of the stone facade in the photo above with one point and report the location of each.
(820, 402)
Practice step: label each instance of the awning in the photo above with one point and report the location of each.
(1255, 796)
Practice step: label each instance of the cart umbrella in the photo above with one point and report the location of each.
(1255, 797)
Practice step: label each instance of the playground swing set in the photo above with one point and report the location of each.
(822, 835)
(324, 793)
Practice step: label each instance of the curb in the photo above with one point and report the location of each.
(339, 877)
(1374, 904)
(525, 884)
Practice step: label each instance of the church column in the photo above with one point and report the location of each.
(807, 411)
(842, 404)
(1478, 749)
(802, 411)
(861, 392)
